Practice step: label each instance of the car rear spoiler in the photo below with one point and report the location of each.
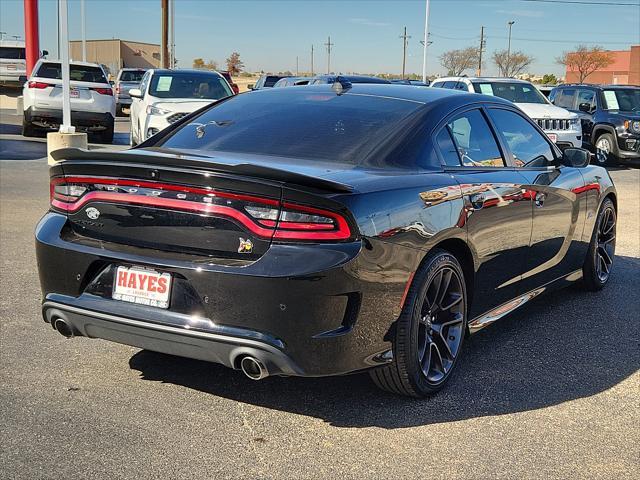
(177, 159)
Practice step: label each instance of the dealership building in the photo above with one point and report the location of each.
(116, 54)
(625, 69)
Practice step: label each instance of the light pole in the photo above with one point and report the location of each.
(84, 36)
(509, 46)
(425, 43)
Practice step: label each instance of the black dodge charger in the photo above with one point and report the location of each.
(323, 230)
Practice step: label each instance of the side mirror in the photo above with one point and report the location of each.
(112, 83)
(576, 157)
(585, 107)
(45, 53)
(250, 86)
(135, 93)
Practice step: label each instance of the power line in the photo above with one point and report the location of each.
(584, 2)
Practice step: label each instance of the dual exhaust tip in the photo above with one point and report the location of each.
(250, 366)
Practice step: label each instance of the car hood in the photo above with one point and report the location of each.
(542, 110)
(626, 114)
(182, 105)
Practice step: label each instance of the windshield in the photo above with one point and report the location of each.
(131, 76)
(209, 86)
(625, 99)
(301, 124)
(514, 92)
(80, 73)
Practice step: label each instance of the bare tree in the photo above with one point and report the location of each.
(457, 61)
(234, 64)
(511, 64)
(198, 63)
(586, 60)
(211, 65)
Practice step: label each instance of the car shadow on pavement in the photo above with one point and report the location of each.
(563, 346)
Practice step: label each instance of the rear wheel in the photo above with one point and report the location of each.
(430, 330)
(605, 149)
(28, 130)
(105, 136)
(599, 261)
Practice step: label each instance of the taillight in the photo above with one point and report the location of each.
(103, 91)
(38, 85)
(118, 89)
(264, 217)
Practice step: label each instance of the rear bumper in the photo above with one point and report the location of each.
(303, 310)
(123, 100)
(52, 118)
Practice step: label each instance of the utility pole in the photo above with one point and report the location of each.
(425, 43)
(84, 35)
(481, 50)
(329, 45)
(405, 39)
(312, 60)
(172, 50)
(508, 66)
(164, 39)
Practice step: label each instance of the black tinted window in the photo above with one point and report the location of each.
(13, 53)
(564, 98)
(189, 85)
(297, 124)
(449, 84)
(131, 76)
(586, 96)
(271, 81)
(474, 140)
(528, 146)
(80, 73)
(517, 92)
(447, 148)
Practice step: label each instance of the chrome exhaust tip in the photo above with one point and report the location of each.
(63, 328)
(253, 368)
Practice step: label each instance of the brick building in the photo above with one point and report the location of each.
(625, 69)
(117, 54)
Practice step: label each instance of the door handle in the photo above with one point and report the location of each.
(540, 198)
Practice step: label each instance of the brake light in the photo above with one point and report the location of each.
(103, 91)
(38, 85)
(264, 217)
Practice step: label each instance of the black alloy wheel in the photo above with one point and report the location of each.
(599, 262)
(430, 331)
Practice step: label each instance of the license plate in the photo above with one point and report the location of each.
(74, 93)
(553, 137)
(142, 286)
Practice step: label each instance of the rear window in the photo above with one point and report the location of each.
(271, 81)
(514, 92)
(189, 85)
(312, 125)
(131, 76)
(80, 73)
(12, 53)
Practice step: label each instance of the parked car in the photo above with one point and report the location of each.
(610, 117)
(330, 79)
(292, 82)
(127, 79)
(232, 84)
(415, 83)
(166, 96)
(266, 81)
(322, 231)
(545, 89)
(561, 126)
(93, 106)
(12, 62)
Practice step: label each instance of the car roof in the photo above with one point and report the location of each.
(133, 69)
(71, 61)
(481, 79)
(185, 71)
(353, 78)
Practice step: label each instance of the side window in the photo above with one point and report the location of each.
(565, 98)
(447, 148)
(449, 84)
(474, 140)
(586, 96)
(144, 82)
(437, 84)
(462, 86)
(528, 146)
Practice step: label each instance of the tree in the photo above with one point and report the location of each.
(211, 65)
(457, 61)
(234, 64)
(584, 60)
(549, 79)
(198, 63)
(511, 64)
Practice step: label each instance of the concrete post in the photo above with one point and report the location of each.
(57, 140)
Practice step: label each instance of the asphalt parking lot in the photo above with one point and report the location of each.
(550, 392)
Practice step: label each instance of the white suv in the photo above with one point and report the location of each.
(93, 106)
(560, 125)
(166, 96)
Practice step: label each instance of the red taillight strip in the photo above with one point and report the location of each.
(297, 225)
(342, 233)
(162, 186)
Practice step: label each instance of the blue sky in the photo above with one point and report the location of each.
(269, 34)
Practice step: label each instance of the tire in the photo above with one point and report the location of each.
(412, 372)
(119, 112)
(106, 136)
(597, 266)
(605, 147)
(28, 130)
